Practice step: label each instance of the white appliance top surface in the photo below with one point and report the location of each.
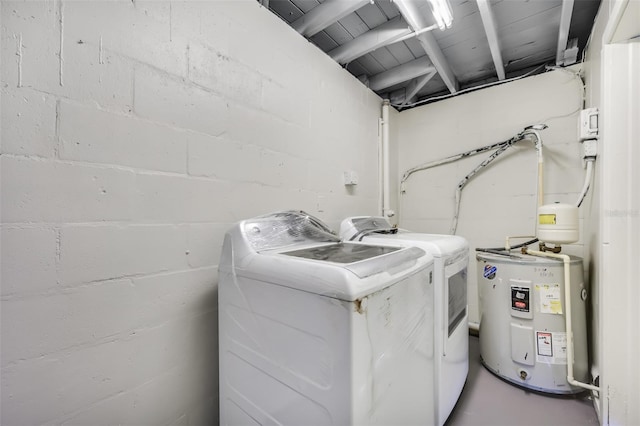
(438, 245)
(296, 250)
(342, 253)
(287, 228)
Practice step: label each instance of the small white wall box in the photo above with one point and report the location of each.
(350, 177)
(589, 123)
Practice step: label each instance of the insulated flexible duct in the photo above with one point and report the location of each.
(499, 147)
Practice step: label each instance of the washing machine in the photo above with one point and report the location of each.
(314, 331)
(451, 258)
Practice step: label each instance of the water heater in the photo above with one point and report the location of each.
(523, 337)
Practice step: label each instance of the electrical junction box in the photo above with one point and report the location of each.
(589, 123)
(589, 148)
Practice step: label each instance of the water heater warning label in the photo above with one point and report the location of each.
(545, 344)
(520, 300)
(551, 347)
(549, 298)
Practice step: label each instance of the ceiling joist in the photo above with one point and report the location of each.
(430, 45)
(401, 73)
(488, 21)
(410, 11)
(414, 87)
(325, 14)
(380, 36)
(563, 32)
(371, 39)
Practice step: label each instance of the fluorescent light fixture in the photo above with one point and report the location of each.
(441, 10)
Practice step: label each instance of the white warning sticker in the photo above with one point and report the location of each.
(551, 347)
(549, 298)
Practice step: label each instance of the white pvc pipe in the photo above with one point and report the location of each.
(540, 182)
(387, 212)
(567, 318)
(380, 170)
(538, 144)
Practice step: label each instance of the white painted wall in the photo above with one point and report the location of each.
(501, 199)
(133, 135)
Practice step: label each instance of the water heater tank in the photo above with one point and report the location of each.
(558, 223)
(523, 338)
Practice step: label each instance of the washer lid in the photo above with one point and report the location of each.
(342, 253)
(334, 269)
(287, 228)
(293, 249)
(362, 259)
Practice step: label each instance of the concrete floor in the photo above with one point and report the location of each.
(488, 400)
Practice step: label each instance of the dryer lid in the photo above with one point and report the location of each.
(377, 230)
(439, 245)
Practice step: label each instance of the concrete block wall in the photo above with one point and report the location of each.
(501, 199)
(134, 133)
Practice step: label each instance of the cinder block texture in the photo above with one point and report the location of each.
(91, 135)
(133, 135)
(29, 122)
(28, 256)
(35, 190)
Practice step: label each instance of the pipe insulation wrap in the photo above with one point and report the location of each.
(456, 157)
(467, 178)
(499, 147)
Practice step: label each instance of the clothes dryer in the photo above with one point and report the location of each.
(451, 259)
(313, 331)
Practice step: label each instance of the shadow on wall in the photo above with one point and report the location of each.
(204, 346)
(592, 312)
